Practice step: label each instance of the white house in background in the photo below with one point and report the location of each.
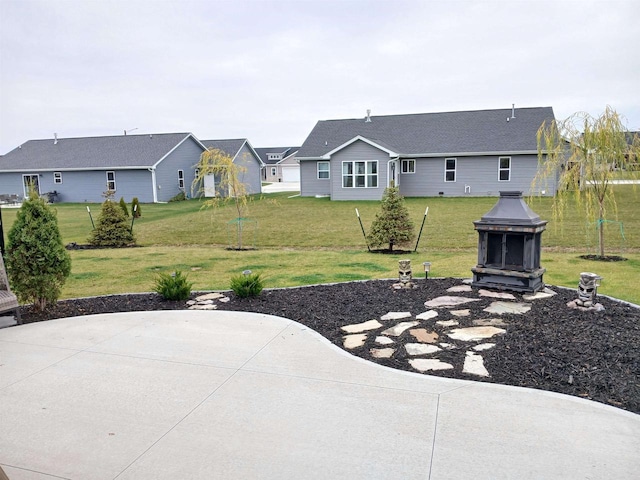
(280, 164)
(467, 153)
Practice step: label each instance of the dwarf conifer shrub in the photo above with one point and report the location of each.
(123, 206)
(392, 226)
(173, 287)
(37, 263)
(247, 285)
(112, 229)
(135, 208)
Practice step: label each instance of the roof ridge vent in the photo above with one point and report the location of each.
(368, 117)
(513, 110)
(55, 138)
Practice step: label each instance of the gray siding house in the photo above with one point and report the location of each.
(243, 154)
(468, 153)
(280, 164)
(152, 167)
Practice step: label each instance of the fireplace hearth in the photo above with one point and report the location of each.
(509, 246)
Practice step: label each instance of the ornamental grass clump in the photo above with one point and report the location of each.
(37, 263)
(173, 287)
(247, 285)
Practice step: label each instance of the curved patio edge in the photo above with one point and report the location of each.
(196, 394)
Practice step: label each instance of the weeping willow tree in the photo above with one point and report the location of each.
(230, 185)
(586, 154)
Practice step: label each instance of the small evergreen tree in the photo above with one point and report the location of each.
(392, 225)
(37, 263)
(135, 208)
(123, 206)
(112, 229)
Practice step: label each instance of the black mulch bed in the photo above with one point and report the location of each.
(552, 347)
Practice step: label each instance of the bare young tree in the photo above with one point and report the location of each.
(586, 154)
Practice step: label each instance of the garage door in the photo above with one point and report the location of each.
(291, 174)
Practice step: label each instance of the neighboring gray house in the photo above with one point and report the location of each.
(243, 154)
(152, 167)
(472, 153)
(280, 164)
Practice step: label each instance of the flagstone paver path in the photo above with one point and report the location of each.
(425, 344)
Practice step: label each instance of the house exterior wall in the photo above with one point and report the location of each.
(358, 151)
(252, 177)
(185, 157)
(310, 184)
(475, 176)
(85, 186)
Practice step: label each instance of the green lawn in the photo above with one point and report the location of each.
(309, 240)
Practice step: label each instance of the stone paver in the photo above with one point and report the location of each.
(362, 327)
(484, 346)
(399, 328)
(461, 313)
(508, 307)
(546, 293)
(492, 294)
(209, 296)
(428, 315)
(426, 364)
(460, 288)
(471, 334)
(420, 348)
(474, 365)
(496, 322)
(382, 352)
(209, 306)
(447, 323)
(449, 301)
(423, 335)
(395, 315)
(354, 341)
(384, 340)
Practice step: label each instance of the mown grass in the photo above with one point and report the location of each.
(303, 241)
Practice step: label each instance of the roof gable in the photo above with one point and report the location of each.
(284, 152)
(232, 147)
(87, 153)
(480, 131)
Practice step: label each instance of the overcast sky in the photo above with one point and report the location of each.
(269, 70)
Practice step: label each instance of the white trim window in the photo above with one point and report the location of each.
(181, 179)
(29, 182)
(450, 165)
(504, 169)
(111, 180)
(323, 170)
(361, 174)
(57, 177)
(408, 166)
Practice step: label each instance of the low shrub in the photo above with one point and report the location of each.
(135, 208)
(173, 287)
(112, 229)
(123, 206)
(247, 285)
(179, 197)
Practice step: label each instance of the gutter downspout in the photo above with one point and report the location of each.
(154, 187)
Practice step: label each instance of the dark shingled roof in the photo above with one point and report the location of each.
(230, 147)
(122, 151)
(434, 133)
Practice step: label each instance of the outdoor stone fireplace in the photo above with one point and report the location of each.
(509, 246)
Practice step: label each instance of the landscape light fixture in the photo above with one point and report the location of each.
(427, 269)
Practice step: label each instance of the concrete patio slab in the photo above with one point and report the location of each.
(201, 395)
